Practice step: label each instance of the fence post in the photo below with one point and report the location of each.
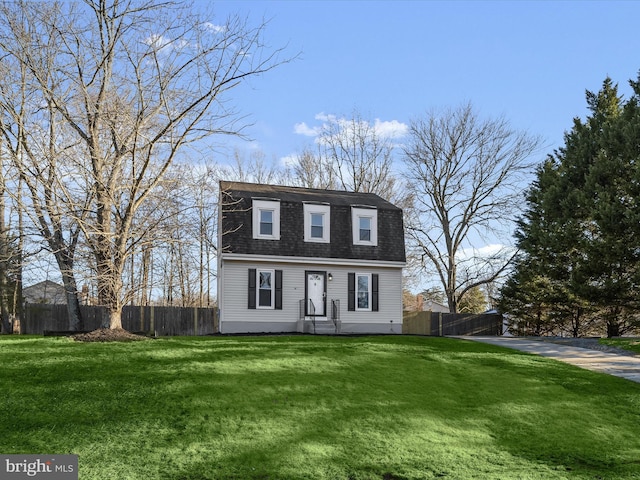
(151, 321)
(195, 321)
(439, 324)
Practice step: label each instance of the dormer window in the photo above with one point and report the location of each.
(365, 229)
(365, 226)
(266, 219)
(266, 223)
(316, 223)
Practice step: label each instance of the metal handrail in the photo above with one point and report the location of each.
(312, 313)
(335, 313)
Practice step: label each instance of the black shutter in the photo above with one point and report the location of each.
(351, 292)
(374, 292)
(252, 288)
(278, 289)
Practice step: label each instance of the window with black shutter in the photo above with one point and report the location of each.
(363, 292)
(252, 288)
(374, 292)
(351, 291)
(278, 290)
(265, 289)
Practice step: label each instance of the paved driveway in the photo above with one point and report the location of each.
(625, 366)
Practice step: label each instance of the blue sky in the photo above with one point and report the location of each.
(530, 62)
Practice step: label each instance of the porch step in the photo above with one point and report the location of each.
(322, 327)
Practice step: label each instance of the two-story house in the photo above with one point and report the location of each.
(305, 260)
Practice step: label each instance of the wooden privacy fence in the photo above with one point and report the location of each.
(439, 324)
(159, 321)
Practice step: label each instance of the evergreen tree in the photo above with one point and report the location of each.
(475, 301)
(611, 195)
(578, 240)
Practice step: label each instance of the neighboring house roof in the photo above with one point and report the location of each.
(45, 292)
(236, 223)
(431, 306)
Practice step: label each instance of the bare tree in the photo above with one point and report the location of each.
(465, 177)
(7, 255)
(134, 82)
(35, 140)
(157, 229)
(253, 168)
(311, 169)
(360, 157)
(174, 250)
(206, 209)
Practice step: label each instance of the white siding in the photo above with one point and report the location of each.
(236, 317)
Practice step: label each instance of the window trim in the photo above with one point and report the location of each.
(324, 210)
(357, 292)
(320, 216)
(272, 289)
(361, 219)
(266, 205)
(352, 292)
(362, 212)
(261, 213)
(254, 289)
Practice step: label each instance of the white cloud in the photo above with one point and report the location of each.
(327, 118)
(289, 160)
(304, 129)
(162, 44)
(157, 41)
(215, 28)
(486, 251)
(390, 129)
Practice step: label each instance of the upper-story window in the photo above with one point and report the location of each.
(365, 229)
(266, 222)
(365, 226)
(316, 223)
(266, 219)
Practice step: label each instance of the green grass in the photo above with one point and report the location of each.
(302, 407)
(631, 344)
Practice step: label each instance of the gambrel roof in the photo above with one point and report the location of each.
(301, 194)
(236, 222)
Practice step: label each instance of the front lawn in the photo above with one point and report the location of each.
(303, 407)
(630, 344)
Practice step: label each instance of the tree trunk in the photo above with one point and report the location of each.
(4, 284)
(76, 322)
(577, 321)
(66, 266)
(5, 261)
(110, 286)
(4, 310)
(613, 328)
(115, 319)
(613, 322)
(144, 283)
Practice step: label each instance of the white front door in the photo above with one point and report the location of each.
(316, 293)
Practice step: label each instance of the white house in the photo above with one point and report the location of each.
(305, 260)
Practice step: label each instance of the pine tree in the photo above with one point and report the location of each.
(578, 240)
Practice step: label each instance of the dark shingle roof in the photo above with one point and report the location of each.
(300, 194)
(236, 223)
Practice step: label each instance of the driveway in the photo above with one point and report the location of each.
(625, 366)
